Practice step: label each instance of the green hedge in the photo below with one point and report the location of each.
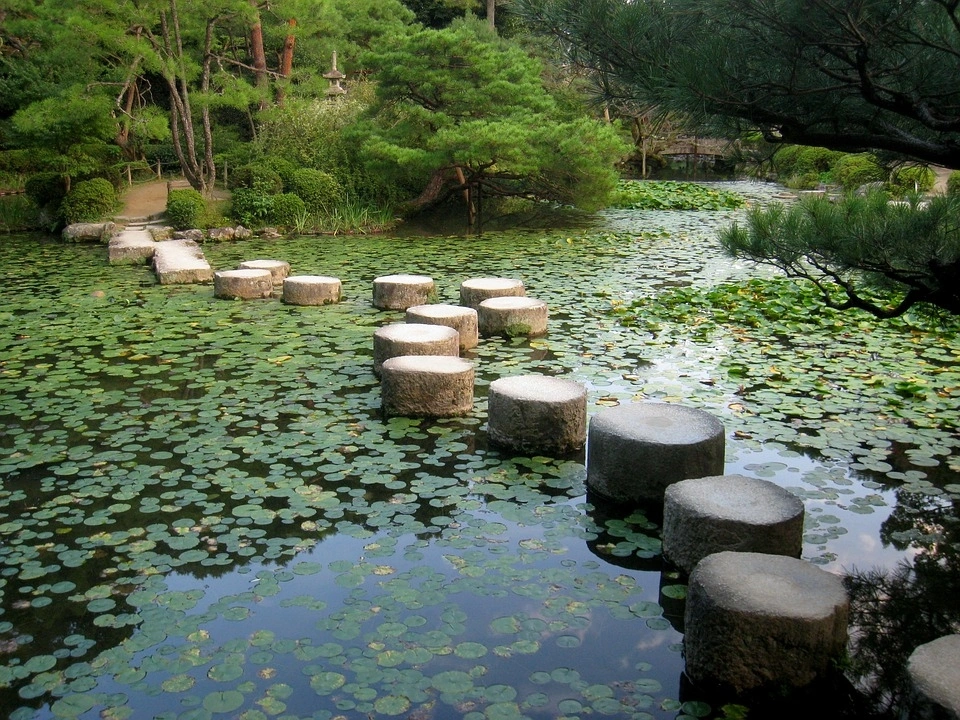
(185, 208)
(287, 210)
(89, 200)
(319, 190)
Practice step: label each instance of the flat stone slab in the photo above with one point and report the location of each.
(279, 269)
(427, 386)
(537, 414)
(131, 247)
(636, 451)
(475, 290)
(762, 621)
(399, 292)
(89, 232)
(461, 319)
(180, 261)
(413, 339)
(702, 516)
(934, 670)
(243, 284)
(312, 290)
(512, 316)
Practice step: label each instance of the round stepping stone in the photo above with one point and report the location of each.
(461, 319)
(634, 452)
(413, 339)
(279, 269)
(242, 284)
(757, 621)
(475, 290)
(399, 292)
(934, 670)
(729, 512)
(427, 386)
(513, 317)
(311, 290)
(537, 414)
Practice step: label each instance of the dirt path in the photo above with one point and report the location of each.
(144, 201)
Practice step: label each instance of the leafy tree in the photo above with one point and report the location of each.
(460, 110)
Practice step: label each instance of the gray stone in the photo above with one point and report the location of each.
(89, 232)
(461, 319)
(729, 512)
(193, 234)
(756, 621)
(160, 232)
(475, 290)
(221, 234)
(250, 284)
(427, 386)
(180, 261)
(934, 670)
(311, 290)
(413, 339)
(537, 414)
(242, 233)
(399, 292)
(131, 247)
(635, 451)
(279, 269)
(512, 316)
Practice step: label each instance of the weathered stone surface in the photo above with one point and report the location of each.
(193, 234)
(475, 290)
(427, 386)
(729, 512)
(513, 317)
(131, 247)
(160, 232)
(279, 269)
(242, 233)
(413, 339)
(180, 261)
(537, 414)
(311, 290)
(248, 284)
(934, 670)
(399, 292)
(461, 319)
(635, 451)
(89, 232)
(221, 234)
(757, 621)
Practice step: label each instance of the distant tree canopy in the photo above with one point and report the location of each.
(853, 75)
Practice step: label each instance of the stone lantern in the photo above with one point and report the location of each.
(335, 77)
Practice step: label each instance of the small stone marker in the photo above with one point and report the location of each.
(757, 621)
(635, 451)
(399, 292)
(934, 670)
(537, 414)
(243, 284)
(513, 317)
(180, 261)
(279, 269)
(427, 386)
(461, 319)
(702, 516)
(311, 290)
(413, 339)
(475, 290)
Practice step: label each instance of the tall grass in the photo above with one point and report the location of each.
(347, 217)
(18, 213)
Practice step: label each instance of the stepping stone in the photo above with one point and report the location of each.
(180, 261)
(756, 621)
(475, 290)
(89, 232)
(635, 451)
(537, 414)
(311, 290)
(399, 292)
(427, 386)
(513, 317)
(247, 284)
(729, 512)
(131, 247)
(461, 319)
(413, 339)
(279, 269)
(934, 670)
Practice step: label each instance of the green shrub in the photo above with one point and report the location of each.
(912, 178)
(319, 190)
(282, 167)
(251, 207)
(852, 171)
(287, 209)
(45, 189)
(89, 200)
(953, 183)
(185, 208)
(257, 177)
(18, 213)
(805, 181)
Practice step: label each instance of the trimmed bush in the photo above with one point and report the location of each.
(257, 177)
(319, 190)
(282, 167)
(89, 200)
(287, 209)
(45, 189)
(185, 209)
(953, 183)
(251, 207)
(852, 171)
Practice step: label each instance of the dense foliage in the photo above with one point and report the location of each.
(89, 200)
(185, 208)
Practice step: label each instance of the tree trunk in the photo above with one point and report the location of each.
(492, 13)
(286, 58)
(259, 56)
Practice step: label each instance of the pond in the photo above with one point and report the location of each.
(203, 513)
